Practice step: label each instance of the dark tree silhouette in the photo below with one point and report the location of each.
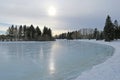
(38, 33)
(28, 33)
(20, 32)
(109, 29)
(24, 31)
(32, 32)
(49, 32)
(95, 33)
(116, 30)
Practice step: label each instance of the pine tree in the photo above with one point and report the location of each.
(27, 33)
(109, 29)
(20, 32)
(9, 32)
(16, 33)
(12, 32)
(101, 35)
(95, 33)
(119, 32)
(38, 33)
(49, 32)
(45, 31)
(116, 29)
(24, 31)
(69, 35)
(32, 32)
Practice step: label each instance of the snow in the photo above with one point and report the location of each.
(109, 70)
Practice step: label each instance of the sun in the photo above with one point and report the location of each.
(52, 11)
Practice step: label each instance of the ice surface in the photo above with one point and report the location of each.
(109, 70)
(59, 60)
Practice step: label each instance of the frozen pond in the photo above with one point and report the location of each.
(58, 60)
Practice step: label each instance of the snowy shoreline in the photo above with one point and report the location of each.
(108, 70)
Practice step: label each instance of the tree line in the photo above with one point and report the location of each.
(27, 33)
(110, 32)
(85, 33)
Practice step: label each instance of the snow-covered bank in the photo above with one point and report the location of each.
(109, 70)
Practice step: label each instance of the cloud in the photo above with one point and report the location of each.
(70, 14)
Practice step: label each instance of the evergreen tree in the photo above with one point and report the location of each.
(27, 33)
(69, 35)
(109, 29)
(38, 33)
(16, 33)
(116, 29)
(20, 32)
(62, 36)
(45, 31)
(118, 32)
(12, 32)
(49, 32)
(95, 33)
(101, 35)
(32, 32)
(24, 31)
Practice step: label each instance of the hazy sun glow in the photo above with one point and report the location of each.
(52, 11)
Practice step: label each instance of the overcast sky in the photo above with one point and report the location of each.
(70, 14)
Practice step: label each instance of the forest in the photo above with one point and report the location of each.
(27, 33)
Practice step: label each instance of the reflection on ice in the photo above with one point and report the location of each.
(52, 61)
(52, 68)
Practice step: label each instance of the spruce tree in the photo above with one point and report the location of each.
(119, 32)
(38, 33)
(109, 29)
(49, 32)
(10, 32)
(20, 32)
(27, 33)
(32, 32)
(95, 33)
(24, 31)
(116, 29)
(16, 33)
(45, 31)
